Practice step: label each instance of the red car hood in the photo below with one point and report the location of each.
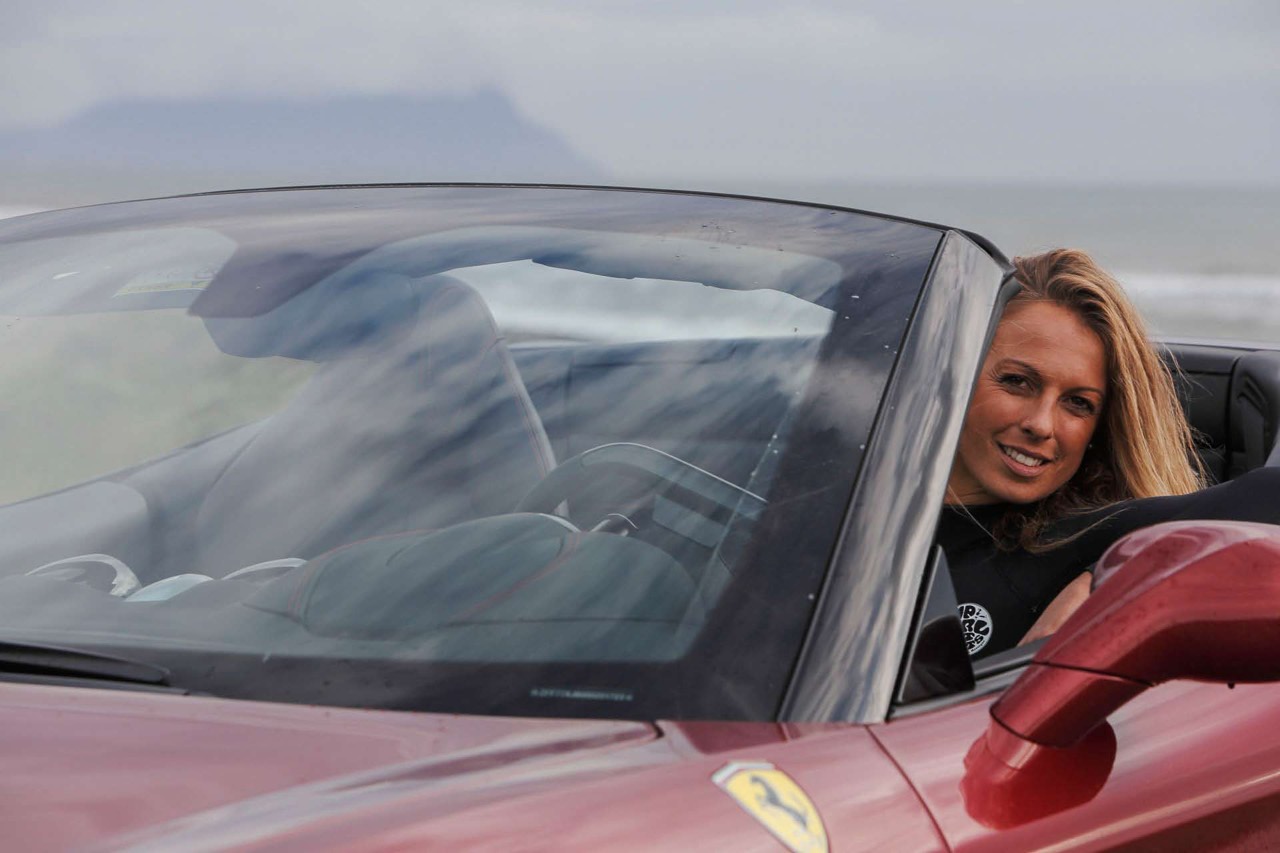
(80, 767)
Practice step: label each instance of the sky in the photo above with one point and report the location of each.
(1134, 91)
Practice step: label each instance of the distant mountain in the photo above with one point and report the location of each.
(349, 139)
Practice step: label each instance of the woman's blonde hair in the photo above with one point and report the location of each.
(1143, 445)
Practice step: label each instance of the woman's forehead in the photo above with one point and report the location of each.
(1053, 340)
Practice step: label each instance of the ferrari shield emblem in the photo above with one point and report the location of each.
(771, 797)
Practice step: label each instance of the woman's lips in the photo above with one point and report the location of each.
(1014, 459)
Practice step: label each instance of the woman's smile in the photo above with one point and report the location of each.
(1022, 462)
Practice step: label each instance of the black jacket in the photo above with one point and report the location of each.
(1002, 593)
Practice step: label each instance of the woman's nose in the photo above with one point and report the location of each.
(1037, 420)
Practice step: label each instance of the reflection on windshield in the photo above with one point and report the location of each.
(533, 303)
(86, 395)
(495, 446)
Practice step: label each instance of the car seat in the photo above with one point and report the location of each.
(416, 418)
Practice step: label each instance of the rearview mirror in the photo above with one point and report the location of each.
(1196, 600)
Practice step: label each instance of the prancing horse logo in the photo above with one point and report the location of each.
(775, 800)
(768, 796)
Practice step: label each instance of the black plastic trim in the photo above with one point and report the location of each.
(936, 662)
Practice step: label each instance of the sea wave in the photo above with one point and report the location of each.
(1238, 307)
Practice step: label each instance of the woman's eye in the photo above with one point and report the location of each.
(1013, 380)
(1082, 404)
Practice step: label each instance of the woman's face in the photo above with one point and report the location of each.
(1036, 405)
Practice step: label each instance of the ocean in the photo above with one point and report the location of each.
(1199, 262)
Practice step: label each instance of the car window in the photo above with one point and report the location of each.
(522, 462)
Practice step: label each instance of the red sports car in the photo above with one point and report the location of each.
(511, 517)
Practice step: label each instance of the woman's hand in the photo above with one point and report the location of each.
(1066, 602)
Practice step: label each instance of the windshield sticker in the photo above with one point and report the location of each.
(589, 694)
(165, 281)
(777, 802)
(977, 625)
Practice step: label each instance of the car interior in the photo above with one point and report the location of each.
(432, 430)
(1232, 397)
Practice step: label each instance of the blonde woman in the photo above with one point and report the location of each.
(1073, 438)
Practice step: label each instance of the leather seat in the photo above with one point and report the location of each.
(415, 419)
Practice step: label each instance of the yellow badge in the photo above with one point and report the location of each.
(771, 797)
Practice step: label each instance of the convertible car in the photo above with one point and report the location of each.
(531, 517)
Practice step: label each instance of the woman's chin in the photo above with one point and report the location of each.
(1023, 493)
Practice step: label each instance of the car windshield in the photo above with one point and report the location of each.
(489, 450)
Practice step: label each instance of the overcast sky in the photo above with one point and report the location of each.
(1085, 91)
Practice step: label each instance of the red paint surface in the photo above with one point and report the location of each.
(97, 767)
(79, 765)
(660, 797)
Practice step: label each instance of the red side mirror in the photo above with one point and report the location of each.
(1188, 599)
(1195, 600)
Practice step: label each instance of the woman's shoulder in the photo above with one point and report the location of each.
(1080, 537)
(1253, 496)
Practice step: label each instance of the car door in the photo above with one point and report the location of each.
(1195, 765)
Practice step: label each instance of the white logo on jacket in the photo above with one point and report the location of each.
(977, 625)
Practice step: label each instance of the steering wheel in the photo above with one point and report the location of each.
(100, 571)
(650, 467)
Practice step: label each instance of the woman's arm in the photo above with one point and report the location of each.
(1062, 606)
(1253, 496)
